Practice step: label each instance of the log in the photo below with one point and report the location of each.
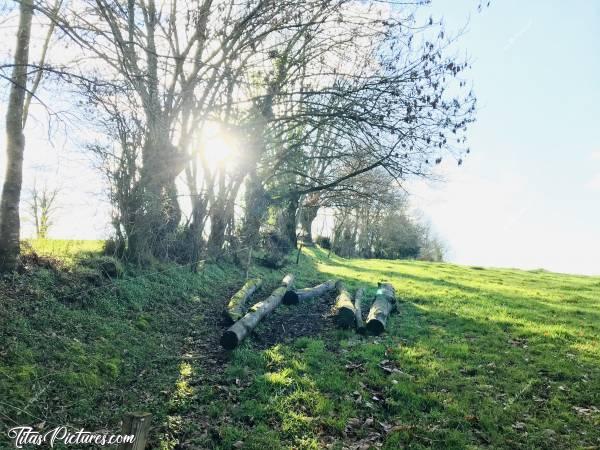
(237, 303)
(290, 297)
(344, 308)
(360, 325)
(308, 293)
(239, 330)
(384, 304)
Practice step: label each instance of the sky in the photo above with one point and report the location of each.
(528, 195)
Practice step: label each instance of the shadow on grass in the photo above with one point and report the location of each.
(443, 376)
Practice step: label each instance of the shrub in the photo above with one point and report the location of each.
(108, 266)
(323, 242)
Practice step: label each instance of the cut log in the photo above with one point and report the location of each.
(239, 330)
(237, 303)
(308, 293)
(384, 304)
(344, 308)
(360, 325)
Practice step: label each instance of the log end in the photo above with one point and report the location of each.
(229, 340)
(345, 317)
(375, 326)
(290, 298)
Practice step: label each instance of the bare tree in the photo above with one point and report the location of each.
(42, 207)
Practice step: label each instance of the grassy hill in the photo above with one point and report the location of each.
(476, 357)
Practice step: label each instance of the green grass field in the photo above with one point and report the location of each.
(475, 358)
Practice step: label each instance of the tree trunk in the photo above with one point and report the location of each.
(344, 308)
(308, 293)
(239, 330)
(288, 221)
(257, 202)
(216, 239)
(307, 216)
(384, 304)
(360, 325)
(237, 303)
(15, 145)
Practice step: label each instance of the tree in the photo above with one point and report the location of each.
(42, 208)
(10, 226)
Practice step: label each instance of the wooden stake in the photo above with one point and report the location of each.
(298, 255)
(137, 424)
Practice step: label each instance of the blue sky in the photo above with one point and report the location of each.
(529, 194)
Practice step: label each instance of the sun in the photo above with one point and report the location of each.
(218, 147)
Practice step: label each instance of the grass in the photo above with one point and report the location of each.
(475, 358)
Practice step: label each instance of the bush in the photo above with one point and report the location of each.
(323, 242)
(89, 275)
(275, 249)
(108, 266)
(113, 247)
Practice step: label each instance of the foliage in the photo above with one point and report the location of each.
(380, 226)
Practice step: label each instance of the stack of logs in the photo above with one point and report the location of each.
(348, 312)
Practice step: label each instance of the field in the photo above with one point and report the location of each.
(475, 358)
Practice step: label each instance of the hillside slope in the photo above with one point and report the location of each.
(475, 358)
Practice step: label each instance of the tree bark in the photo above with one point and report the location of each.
(360, 325)
(308, 293)
(384, 304)
(288, 221)
(257, 203)
(306, 217)
(15, 145)
(237, 303)
(344, 308)
(239, 330)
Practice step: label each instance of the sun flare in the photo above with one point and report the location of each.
(217, 146)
